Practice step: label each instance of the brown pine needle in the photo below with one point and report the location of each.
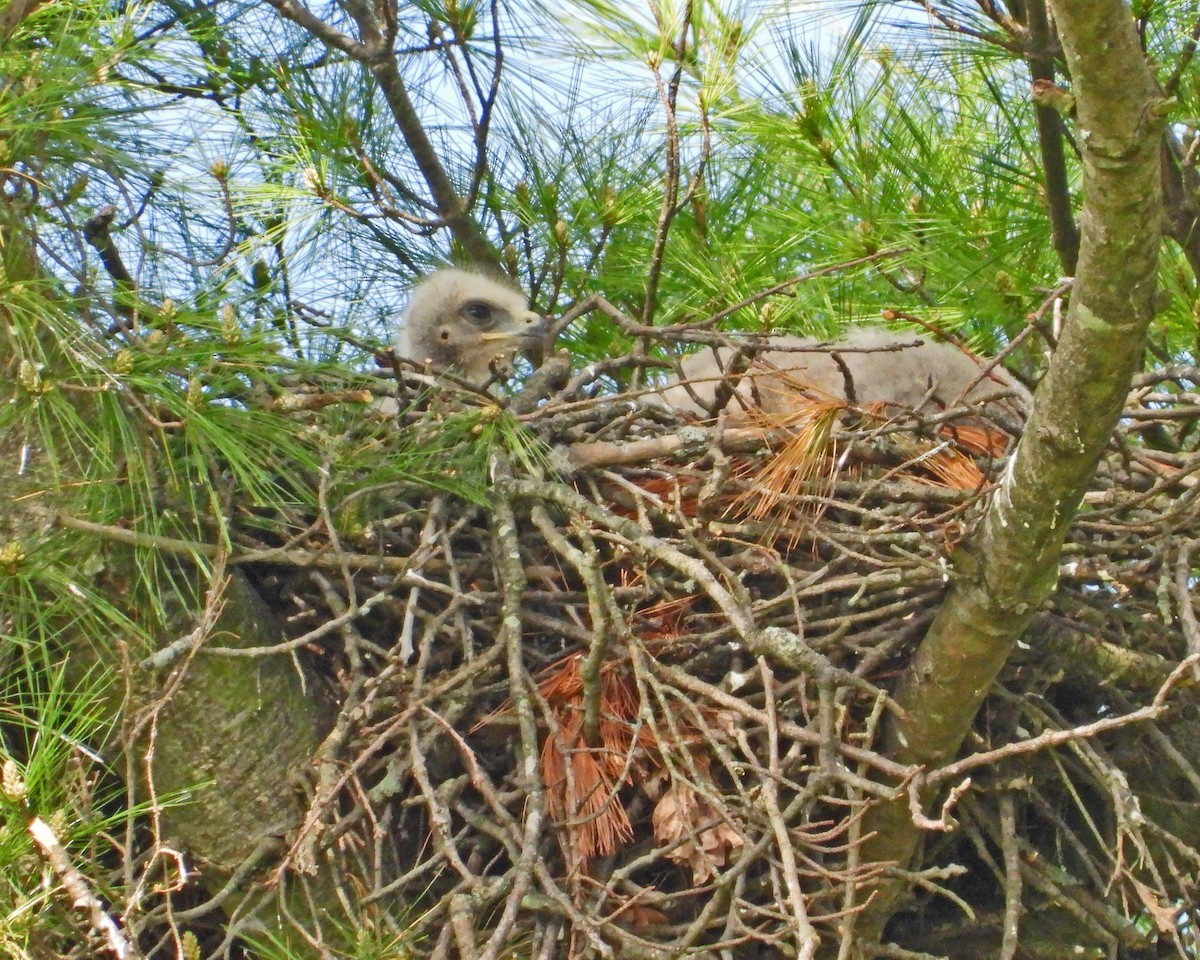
(806, 458)
(978, 439)
(953, 469)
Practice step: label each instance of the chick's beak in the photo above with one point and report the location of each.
(537, 327)
(530, 332)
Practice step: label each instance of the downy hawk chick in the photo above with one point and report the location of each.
(468, 324)
(877, 366)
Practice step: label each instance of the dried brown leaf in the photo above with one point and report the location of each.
(1164, 916)
(695, 832)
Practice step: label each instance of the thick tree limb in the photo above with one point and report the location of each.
(450, 205)
(330, 36)
(14, 13)
(96, 233)
(375, 53)
(1182, 208)
(1005, 572)
(1040, 56)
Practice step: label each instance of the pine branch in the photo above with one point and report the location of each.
(376, 54)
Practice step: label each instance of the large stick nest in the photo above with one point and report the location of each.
(633, 703)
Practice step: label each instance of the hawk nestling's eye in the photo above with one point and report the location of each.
(480, 313)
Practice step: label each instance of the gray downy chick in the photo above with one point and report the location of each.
(893, 368)
(468, 324)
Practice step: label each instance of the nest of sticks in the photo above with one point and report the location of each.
(634, 703)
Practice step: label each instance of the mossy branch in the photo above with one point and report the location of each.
(1007, 570)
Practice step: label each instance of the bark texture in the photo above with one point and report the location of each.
(1008, 568)
(236, 738)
